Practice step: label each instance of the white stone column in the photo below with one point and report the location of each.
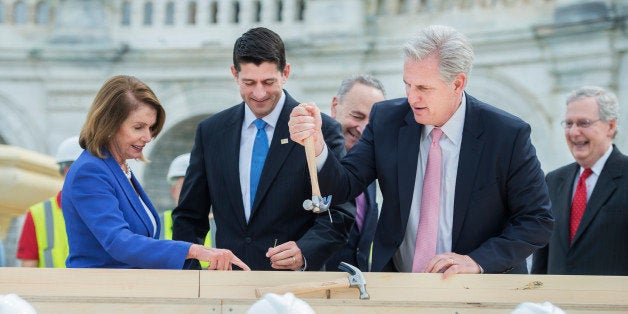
(159, 12)
(137, 14)
(289, 11)
(412, 7)
(269, 11)
(247, 12)
(202, 13)
(180, 13)
(225, 12)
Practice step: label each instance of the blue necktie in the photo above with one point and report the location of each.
(260, 149)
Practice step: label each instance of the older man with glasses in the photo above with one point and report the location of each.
(590, 196)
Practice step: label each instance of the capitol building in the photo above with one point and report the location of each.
(56, 54)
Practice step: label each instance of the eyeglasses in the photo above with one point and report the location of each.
(582, 124)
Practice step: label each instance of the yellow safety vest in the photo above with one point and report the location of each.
(168, 234)
(52, 240)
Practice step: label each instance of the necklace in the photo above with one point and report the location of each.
(127, 172)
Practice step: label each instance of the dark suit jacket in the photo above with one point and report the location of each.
(501, 203)
(357, 250)
(107, 224)
(212, 180)
(600, 245)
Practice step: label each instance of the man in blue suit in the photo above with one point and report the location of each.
(244, 167)
(463, 189)
(351, 107)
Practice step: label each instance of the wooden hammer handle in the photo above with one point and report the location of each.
(305, 287)
(310, 155)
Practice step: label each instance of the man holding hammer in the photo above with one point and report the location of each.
(463, 190)
(244, 166)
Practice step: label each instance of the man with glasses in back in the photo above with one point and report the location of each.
(590, 196)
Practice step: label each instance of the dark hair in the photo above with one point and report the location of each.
(115, 100)
(259, 45)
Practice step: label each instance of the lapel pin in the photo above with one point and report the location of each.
(284, 141)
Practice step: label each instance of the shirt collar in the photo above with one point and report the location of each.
(454, 126)
(599, 164)
(271, 118)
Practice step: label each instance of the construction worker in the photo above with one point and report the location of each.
(43, 242)
(175, 176)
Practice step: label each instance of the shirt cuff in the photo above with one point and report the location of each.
(304, 264)
(320, 159)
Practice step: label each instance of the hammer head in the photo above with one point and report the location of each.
(356, 279)
(317, 204)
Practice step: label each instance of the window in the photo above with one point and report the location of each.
(42, 16)
(213, 12)
(148, 13)
(192, 13)
(300, 10)
(258, 11)
(236, 12)
(170, 13)
(19, 13)
(126, 13)
(279, 10)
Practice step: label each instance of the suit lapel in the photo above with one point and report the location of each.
(230, 165)
(470, 155)
(408, 153)
(562, 208)
(131, 196)
(279, 149)
(604, 188)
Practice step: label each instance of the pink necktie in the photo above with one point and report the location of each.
(427, 233)
(579, 203)
(360, 206)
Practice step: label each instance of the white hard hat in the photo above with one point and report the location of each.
(178, 167)
(280, 304)
(69, 150)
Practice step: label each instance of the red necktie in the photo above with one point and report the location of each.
(579, 203)
(427, 233)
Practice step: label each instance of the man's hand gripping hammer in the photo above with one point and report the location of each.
(317, 204)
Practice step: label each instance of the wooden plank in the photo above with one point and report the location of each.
(81, 305)
(175, 291)
(99, 282)
(586, 293)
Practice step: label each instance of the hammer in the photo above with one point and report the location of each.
(317, 204)
(355, 279)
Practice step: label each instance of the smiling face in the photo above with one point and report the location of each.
(433, 101)
(261, 85)
(352, 111)
(134, 133)
(587, 145)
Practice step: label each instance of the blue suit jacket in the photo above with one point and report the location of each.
(599, 246)
(501, 203)
(213, 181)
(357, 250)
(107, 224)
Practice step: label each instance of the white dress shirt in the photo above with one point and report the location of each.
(247, 139)
(450, 144)
(591, 181)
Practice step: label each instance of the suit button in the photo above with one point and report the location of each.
(248, 240)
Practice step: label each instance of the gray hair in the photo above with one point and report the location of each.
(363, 79)
(607, 102)
(453, 50)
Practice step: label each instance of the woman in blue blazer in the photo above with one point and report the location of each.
(109, 219)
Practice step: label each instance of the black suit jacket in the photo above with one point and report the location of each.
(357, 250)
(501, 204)
(212, 180)
(600, 245)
